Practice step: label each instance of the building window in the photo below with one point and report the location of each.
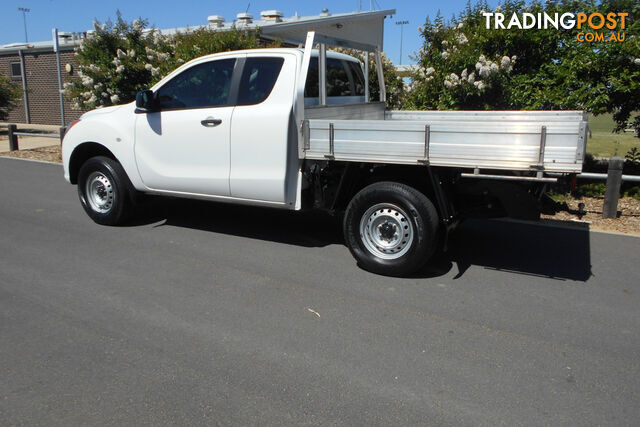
(16, 71)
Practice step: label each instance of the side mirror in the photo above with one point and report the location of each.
(145, 100)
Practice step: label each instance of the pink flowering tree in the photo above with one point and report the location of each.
(110, 65)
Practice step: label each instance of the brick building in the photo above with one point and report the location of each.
(33, 65)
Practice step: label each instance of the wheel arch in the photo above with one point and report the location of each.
(83, 152)
(414, 176)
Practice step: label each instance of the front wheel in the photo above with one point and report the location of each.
(391, 228)
(104, 191)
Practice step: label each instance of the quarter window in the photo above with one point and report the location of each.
(258, 78)
(201, 86)
(311, 86)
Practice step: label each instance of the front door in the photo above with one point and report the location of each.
(185, 145)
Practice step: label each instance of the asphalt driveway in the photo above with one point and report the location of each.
(203, 313)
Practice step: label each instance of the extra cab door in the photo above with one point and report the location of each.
(263, 144)
(184, 146)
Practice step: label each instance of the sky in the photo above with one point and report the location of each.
(78, 16)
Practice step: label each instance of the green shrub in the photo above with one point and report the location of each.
(633, 192)
(591, 190)
(462, 64)
(9, 95)
(633, 155)
(559, 197)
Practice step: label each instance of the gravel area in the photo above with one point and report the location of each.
(48, 154)
(628, 221)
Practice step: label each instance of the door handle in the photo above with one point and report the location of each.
(210, 122)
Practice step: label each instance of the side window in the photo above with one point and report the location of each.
(258, 78)
(203, 85)
(311, 87)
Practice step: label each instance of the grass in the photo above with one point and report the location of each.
(605, 143)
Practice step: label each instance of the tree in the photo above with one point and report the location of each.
(121, 58)
(464, 65)
(9, 95)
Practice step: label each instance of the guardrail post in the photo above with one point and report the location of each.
(63, 130)
(612, 193)
(13, 138)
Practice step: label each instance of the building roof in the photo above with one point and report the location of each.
(363, 30)
(406, 70)
(36, 47)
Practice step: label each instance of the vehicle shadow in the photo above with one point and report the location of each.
(515, 247)
(306, 229)
(520, 247)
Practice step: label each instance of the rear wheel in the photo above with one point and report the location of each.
(391, 228)
(103, 189)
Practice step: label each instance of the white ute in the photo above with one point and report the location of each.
(255, 127)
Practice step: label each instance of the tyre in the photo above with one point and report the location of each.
(104, 191)
(391, 228)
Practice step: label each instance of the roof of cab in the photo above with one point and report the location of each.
(280, 50)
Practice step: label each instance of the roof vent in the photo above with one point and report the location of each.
(244, 18)
(65, 37)
(271, 15)
(325, 12)
(215, 20)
